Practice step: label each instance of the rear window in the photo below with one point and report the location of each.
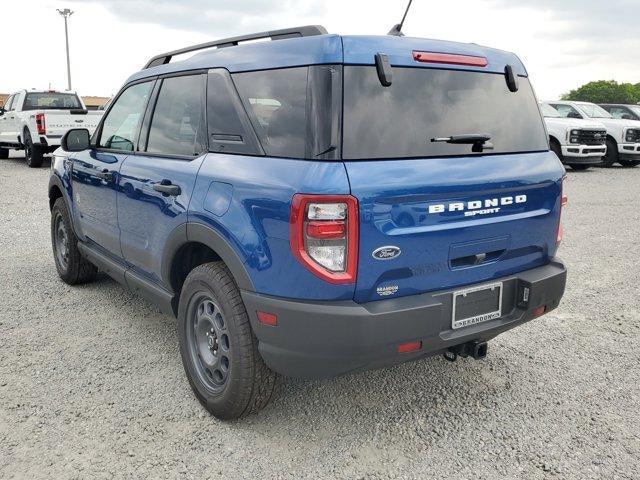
(400, 121)
(41, 100)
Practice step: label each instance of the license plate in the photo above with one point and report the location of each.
(476, 305)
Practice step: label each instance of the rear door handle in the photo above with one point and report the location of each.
(167, 188)
(105, 174)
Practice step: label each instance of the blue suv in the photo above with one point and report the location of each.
(317, 204)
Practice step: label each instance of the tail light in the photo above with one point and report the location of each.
(563, 201)
(40, 125)
(324, 235)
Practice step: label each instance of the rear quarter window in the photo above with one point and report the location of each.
(295, 112)
(399, 121)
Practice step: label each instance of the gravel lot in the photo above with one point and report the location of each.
(91, 383)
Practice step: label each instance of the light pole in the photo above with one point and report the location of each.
(66, 13)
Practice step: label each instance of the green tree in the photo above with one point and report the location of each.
(605, 91)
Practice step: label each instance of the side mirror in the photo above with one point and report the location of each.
(76, 140)
(2, 110)
(626, 116)
(574, 115)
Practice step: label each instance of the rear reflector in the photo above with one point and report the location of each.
(267, 318)
(409, 347)
(333, 229)
(563, 201)
(449, 58)
(539, 311)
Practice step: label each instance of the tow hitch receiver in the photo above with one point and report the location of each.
(476, 350)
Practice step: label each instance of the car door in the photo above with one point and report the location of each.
(7, 120)
(95, 174)
(155, 184)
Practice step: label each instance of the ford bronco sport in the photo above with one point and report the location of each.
(318, 204)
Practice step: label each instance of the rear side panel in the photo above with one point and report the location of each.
(248, 201)
(440, 214)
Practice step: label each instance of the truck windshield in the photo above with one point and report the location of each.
(51, 100)
(400, 121)
(594, 111)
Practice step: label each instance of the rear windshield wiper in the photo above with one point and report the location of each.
(480, 141)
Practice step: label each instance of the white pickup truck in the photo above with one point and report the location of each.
(578, 143)
(623, 136)
(35, 121)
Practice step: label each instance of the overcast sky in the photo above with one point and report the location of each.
(563, 43)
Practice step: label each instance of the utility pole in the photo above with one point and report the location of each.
(66, 13)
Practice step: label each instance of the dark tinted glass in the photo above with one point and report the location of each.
(120, 126)
(35, 101)
(178, 126)
(422, 104)
(295, 111)
(276, 101)
(229, 128)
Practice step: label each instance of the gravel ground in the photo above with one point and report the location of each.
(91, 383)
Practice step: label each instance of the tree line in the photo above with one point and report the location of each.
(606, 91)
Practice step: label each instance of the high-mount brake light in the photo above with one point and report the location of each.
(449, 58)
(563, 201)
(324, 235)
(40, 125)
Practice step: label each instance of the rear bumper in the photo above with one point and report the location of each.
(584, 153)
(325, 339)
(49, 142)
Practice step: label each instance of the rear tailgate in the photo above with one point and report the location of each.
(455, 221)
(450, 164)
(58, 122)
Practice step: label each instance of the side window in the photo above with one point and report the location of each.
(566, 111)
(178, 123)
(229, 128)
(15, 101)
(7, 105)
(617, 112)
(276, 101)
(296, 112)
(121, 125)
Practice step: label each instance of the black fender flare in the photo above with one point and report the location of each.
(54, 181)
(197, 232)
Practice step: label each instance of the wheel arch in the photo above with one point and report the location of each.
(553, 138)
(193, 244)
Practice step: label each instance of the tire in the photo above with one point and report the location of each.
(555, 148)
(32, 153)
(629, 163)
(612, 154)
(4, 153)
(72, 267)
(580, 167)
(218, 347)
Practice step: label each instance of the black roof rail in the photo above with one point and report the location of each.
(305, 31)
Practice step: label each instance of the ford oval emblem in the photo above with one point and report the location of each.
(386, 253)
